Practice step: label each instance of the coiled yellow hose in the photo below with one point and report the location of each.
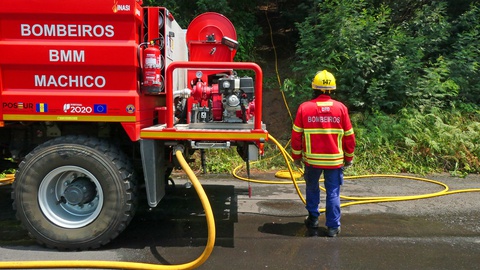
(133, 265)
(6, 181)
(294, 175)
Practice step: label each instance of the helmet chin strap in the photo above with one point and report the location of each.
(326, 91)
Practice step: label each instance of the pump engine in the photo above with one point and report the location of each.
(216, 95)
(231, 100)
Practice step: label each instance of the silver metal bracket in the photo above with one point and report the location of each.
(210, 145)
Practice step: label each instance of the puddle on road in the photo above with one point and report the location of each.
(377, 225)
(281, 207)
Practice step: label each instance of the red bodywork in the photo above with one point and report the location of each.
(77, 61)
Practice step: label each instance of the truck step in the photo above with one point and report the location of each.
(205, 132)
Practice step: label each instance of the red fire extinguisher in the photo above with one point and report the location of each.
(152, 66)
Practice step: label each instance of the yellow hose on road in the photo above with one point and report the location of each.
(294, 175)
(6, 181)
(134, 265)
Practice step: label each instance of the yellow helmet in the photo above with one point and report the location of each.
(324, 80)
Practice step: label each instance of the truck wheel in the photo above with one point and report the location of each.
(74, 193)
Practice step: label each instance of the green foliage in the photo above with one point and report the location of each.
(225, 160)
(10, 171)
(465, 60)
(435, 88)
(387, 55)
(221, 160)
(416, 142)
(344, 37)
(296, 95)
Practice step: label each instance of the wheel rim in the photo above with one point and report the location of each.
(54, 206)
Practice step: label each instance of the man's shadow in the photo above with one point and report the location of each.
(295, 229)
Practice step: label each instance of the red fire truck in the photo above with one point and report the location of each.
(95, 95)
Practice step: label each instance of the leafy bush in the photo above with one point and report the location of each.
(384, 61)
(466, 57)
(417, 142)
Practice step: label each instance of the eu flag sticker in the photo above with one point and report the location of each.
(100, 108)
(41, 107)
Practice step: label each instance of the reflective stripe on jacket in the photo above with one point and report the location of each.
(322, 133)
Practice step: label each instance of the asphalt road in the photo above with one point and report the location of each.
(264, 229)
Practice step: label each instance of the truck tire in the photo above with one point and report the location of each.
(75, 193)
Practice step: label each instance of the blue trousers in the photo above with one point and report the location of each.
(333, 181)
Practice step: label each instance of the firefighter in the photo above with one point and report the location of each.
(323, 138)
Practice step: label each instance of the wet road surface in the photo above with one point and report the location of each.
(266, 231)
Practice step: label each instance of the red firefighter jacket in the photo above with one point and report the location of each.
(322, 133)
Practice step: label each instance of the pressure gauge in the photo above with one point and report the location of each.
(199, 74)
(226, 85)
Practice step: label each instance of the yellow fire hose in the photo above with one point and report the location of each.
(6, 181)
(294, 175)
(133, 265)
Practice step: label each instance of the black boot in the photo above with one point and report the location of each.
(332, 232)
(311, 222)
